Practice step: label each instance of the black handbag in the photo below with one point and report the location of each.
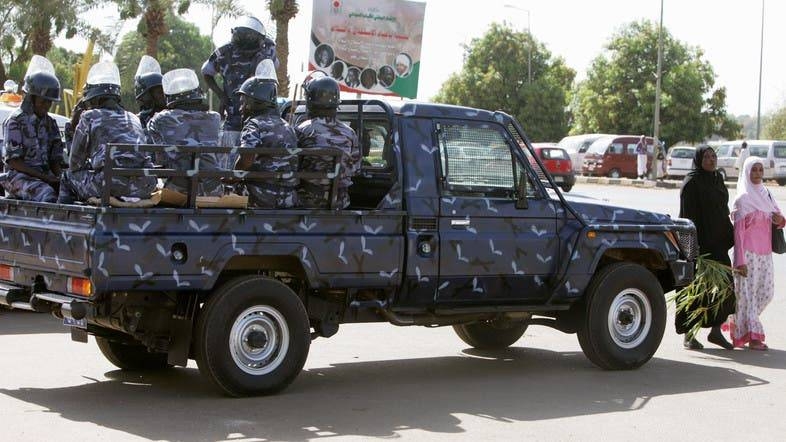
(778, 242)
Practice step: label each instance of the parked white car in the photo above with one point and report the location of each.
(679, 161)
(728, 153)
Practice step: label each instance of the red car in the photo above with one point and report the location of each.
(558, 164)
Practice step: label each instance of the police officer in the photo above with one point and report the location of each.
(236, 62)
(323, 129)
(264, 127)
(33, 150)
(147, 89)
(186, 122)
(105, 122)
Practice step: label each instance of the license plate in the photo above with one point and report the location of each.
(80, 323)
(558, 179)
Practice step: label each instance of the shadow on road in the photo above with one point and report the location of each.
(22, 322)
(380, 398)
(767, 359)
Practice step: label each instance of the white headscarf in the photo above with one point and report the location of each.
(751, 197)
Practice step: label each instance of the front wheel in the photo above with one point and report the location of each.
(490, 335)
(722, 173)
(252, 336)
(624, 319)
(566, 188)
(781, 181)
(131, 357)
(614, 173)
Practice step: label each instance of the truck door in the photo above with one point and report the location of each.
(490, 250)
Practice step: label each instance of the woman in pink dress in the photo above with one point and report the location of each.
(755, 214)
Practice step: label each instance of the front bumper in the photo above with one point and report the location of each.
(682, 271)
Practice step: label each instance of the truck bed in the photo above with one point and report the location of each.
(122, 249)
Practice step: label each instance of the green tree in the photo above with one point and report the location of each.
(618, 95)
(154, 23)
(29, 27)
(282, 11)
(775, 125)
(494, 77)
(171, 54)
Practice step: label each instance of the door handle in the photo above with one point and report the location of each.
(459, 223)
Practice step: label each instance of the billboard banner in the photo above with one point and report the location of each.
(368, 46)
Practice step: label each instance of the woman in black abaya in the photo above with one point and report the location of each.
(705, 201)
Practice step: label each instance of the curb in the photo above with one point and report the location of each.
(646, 183)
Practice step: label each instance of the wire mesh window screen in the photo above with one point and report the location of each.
(475, 157)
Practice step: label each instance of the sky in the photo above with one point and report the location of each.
(728, 31)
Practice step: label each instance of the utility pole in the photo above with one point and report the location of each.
(529, 38)
(656, 122)
(761, 58)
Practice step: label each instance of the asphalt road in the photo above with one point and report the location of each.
(381, 381)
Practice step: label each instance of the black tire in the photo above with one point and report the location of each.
(566, 188)
(131, 357)
(781, 182)
(635, 295)
(722, 173)
(615, 173)
(490, 335)
(246, 305)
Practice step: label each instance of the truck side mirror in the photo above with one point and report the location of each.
(522, 190)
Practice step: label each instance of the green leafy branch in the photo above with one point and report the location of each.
(703, 298)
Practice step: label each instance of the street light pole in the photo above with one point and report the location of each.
(656, 122)
(529, 52)
(529, 38)
(761, 58)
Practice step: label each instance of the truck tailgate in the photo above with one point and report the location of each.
(45, 237)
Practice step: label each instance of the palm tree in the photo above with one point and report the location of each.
(154, 14)
(282, 11)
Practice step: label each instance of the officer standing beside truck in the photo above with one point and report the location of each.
(33, 150)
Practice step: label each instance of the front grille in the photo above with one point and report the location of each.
(689, 245)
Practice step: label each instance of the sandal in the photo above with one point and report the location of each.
(692, 344)
(758, 345)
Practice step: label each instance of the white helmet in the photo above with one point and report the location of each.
(10, 86)
(102, 79)
(39, 64)
(250, 22)
(266, 70)
(147, 65)
(181, 85)
(105, 72)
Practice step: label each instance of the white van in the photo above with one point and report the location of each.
(576, 146)
(774, 154)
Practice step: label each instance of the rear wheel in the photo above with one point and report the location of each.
(722, 173)
(131, 357)
(252, 336)
(566, 188)
(490, 335)
(781, 182)
(625, 317)
(614, 173)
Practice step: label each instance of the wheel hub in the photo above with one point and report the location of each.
(630, 318)
(259, 340)
(256, 339)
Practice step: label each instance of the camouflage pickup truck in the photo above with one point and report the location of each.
(453, 222)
